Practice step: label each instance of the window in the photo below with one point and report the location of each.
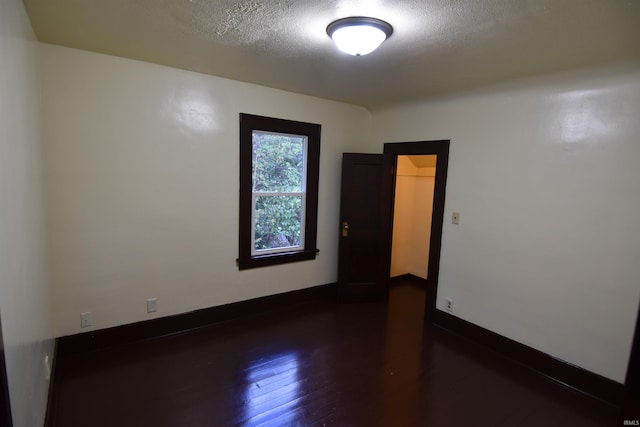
(279, 163)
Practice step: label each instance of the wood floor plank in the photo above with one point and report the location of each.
(317, 364)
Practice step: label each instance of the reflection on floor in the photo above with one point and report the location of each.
(317, 364)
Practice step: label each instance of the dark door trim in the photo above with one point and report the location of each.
(630, 410)
(5, 403)
(441, 149)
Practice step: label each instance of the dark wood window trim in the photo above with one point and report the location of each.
(248, 124)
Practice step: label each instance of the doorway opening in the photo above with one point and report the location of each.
(413, 206)
(366, 215)
(418, 158)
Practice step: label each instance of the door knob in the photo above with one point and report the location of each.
(345, 229)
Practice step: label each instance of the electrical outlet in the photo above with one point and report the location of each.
(85, 319)
(47, 368)
(455, 218)
(448, 305)
(152, 305)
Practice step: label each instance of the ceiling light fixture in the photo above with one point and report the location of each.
(359, 35)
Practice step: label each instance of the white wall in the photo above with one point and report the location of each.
(546, 177)
(24, 293)
(141, 165)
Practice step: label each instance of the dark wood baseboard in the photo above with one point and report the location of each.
(408, 277)
(557, 370)
(169, 325)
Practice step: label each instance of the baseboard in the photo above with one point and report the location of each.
(402, 276)
(408, 277)
(164, 326)
(557, 370)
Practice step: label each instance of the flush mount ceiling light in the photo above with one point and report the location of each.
(359, 35)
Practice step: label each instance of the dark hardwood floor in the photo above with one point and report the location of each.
(315, 364)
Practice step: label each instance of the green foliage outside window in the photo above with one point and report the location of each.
(278, 167)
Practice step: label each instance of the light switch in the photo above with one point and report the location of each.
(455, 218)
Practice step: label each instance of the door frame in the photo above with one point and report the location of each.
(630, 409)
(5, 403)
(441, 149)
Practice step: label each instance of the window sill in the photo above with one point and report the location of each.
(275, 259)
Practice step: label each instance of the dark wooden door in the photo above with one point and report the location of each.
(364, 251)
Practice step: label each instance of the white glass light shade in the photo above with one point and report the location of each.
(359, 35)
(359, 39)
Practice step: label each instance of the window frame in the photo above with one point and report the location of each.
(302, 194)
(246, 256)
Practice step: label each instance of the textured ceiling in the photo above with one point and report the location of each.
(438, 46)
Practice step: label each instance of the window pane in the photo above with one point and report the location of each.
(278, 222)
(278, 162)
(279, 169)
